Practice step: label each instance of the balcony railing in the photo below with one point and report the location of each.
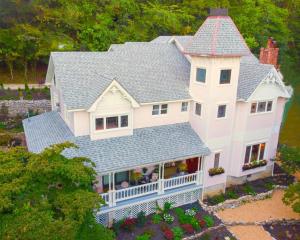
(114, 196)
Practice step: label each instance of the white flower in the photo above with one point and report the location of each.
(190, 212)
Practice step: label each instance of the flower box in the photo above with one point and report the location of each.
(254, 164)
(216, 171)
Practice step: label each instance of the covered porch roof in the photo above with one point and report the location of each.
(146, 146)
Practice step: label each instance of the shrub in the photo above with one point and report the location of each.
(168, 234)
(248, 189)
(117, 226)
(182, 217)
(156, 219)
(231, 194)
(144, 236)
(128, 224)
(254, 164)
(149, 232)
(269, 186)
(166, 208)
(5, 139)
(141, 219)
(190, 212)
(188, 228)
(168, 218)
(206, 236)
(214, 200)
(209, 220)
(178, 233)
(195, 223)
(202, 223)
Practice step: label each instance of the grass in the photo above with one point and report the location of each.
(290, 129)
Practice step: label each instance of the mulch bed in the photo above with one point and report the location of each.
(158, 233)
(254, 187)
(217, 234)
(284, 231)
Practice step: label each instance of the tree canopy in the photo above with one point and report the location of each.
(30, 30)
(48, 196)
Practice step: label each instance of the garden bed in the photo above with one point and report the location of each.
(26, 94)
(251, 188)
(169, 224)
(283, 231)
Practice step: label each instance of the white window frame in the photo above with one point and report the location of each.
(266, 107)
(259, 149)
(230, 80)
(194, 110)
(226, 108)
(160, 108)
(187, 106)
(111, 129)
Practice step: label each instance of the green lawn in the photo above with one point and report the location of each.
(290, 132)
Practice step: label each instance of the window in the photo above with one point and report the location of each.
(160, 109)
(221, 111)
(164, 109)
(99, 124)
(155, 110)
(184, 106)
(260, 107)
(201, 75)
(225, 76)
(124, 121)
(121, 177)
(198, 109)
(255, 152)
(112, 122)
(269, 106)
(217, 160)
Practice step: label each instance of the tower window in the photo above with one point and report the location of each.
(225, 76)
(201, 75)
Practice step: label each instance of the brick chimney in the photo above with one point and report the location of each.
(269, 55)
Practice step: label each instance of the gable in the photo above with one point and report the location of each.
(114, 98)
(270, 87)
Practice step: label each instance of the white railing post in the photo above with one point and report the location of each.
(161, 174)
(198, 180)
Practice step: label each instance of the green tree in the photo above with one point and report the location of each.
(48, 196)
(290, 158)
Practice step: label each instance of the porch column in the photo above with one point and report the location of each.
(199, 172)
(113, 190)
(161, 173)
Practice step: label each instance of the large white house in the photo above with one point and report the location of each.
(173, 119)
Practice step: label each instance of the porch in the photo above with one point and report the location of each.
(117, 188)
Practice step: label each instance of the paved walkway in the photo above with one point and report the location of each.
(268, 209)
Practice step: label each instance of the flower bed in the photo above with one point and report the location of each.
(26, 94)
(170, 224)
(216, 171)
(250, 188)
(254, 164)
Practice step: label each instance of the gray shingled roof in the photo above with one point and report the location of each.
(146, 146)
(218, 36)
(251, 74)
(149, 72)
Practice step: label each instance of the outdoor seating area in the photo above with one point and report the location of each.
(128, 184)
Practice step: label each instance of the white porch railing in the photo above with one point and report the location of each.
(136, 191)
(112, 197)
(180, 181)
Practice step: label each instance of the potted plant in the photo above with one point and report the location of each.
(182, 167)
(136, 176)
(254, 164)
(216, 171)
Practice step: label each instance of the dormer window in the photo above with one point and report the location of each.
(111, 122)
(261, 107)
(201, 75)
(225, 76)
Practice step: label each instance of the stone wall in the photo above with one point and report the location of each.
(22, 107)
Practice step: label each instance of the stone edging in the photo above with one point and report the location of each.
(233, 203)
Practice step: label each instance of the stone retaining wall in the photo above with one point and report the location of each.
(233, 203)
(22, 107)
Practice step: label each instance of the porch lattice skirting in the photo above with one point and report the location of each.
(148, 206)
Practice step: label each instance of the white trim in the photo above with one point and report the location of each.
(160, 109)
(119, 115)
(224, 84)
(195, 80)
(264, 112)
(165, 102)
(114, 84)
(187, 108)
